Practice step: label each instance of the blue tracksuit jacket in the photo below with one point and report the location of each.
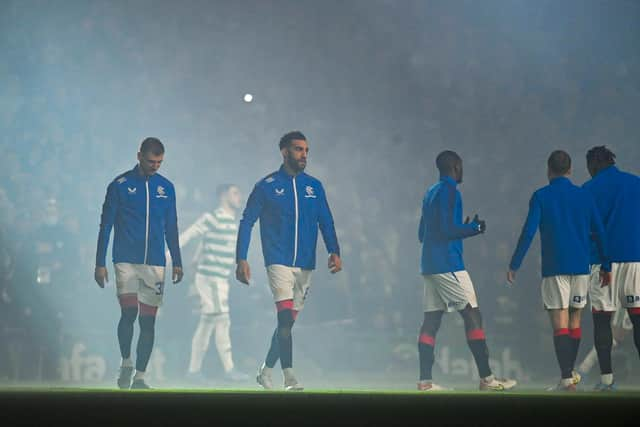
(617, 197)
(441, 229)
(290, 210)
(568, 219)
(142, 211)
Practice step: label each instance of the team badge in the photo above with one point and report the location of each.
(161, 193)
(310, 192)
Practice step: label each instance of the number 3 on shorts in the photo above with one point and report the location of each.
(159, 288)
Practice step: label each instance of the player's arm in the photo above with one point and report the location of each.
(598, 235)
(173, 240)
(250, 215)
(107, 219)
(451, 227)
(529, 230)
(328, 230)
(197, 229)
(421, 228)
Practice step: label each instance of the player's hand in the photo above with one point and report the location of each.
(101, 276)
(511, 277)
(335, 263)
(605, 278)
(482, 224)
(177, 274)
(243, 272)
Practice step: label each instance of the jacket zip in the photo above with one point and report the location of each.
(295, 241)
(146, 235)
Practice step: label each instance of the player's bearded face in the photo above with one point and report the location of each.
(296, 155)
(150, 163)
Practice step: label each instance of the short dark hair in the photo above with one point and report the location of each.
(152, 145)
(600, 157)
(223, 188)
(559, 162)
(286, 139)
(447, 160)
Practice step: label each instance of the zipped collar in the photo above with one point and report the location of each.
(136, 172)
(283, 173)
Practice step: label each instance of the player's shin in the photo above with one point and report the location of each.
(603, 340)
(146, 320)
(285, 340)
(575, 334)
(634, 316)
(563, 349)
(477, 343)
(426, 345)
(128, 314)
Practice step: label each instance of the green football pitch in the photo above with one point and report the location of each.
(237, 406)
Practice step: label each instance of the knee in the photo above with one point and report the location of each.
(222, 320)
(472, 317)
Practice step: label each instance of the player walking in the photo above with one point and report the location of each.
(617, 197)
(215, 260)
(291, 206)
(141, 207)
(447, 285)
(567, 218)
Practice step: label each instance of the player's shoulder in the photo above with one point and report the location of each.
(163, 179)
(628, 176)
(122, 178)
(309, 179)
(268, 180)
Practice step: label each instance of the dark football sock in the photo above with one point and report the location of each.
(563, 348)
(274, 351)
(285, 340)
(145, 341)
(478, 345)
(603, 340)
(125, 330)
(575, 335)
(634, 315)
(426, 345)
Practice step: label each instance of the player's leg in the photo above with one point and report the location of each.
(281, 283)
(462, 295)
(603, 307)
(206, 325)
(426, 348)
(575, 335)
(476, 339)
(126, 288)
(629, 284)
(200, 344)
(634, 316)
(579, 287)
(556, 292)
(562, 345)
(222, 327)
(438, 291)
(128, 315)
(150, 294)
(301, 286)
(146, 321)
